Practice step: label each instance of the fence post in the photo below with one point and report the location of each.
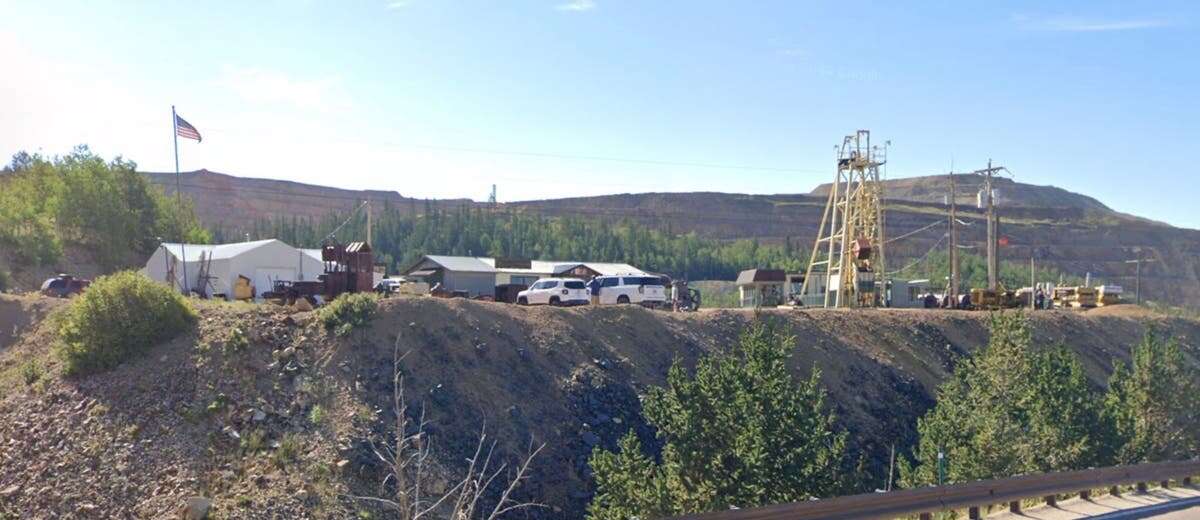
(1141, 487)
(1014, 506)
(1114, 491)
(1051, 500)
(1187, 481)
(1085, 494)
(1166, 484)
(973, 513)
(925, 516)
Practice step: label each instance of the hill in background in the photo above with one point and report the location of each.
(1069, 232)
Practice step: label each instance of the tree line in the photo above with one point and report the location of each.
(400, 238)
(740, 431)
(80, 199)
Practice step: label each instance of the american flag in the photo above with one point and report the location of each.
(186, 130)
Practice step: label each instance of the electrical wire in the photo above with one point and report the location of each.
(909, 234)
(923, 257)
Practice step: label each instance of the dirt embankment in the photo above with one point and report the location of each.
(277, 427)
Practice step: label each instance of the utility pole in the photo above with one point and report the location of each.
(991, 230)
(492, 197)
(953, 241)
(368, 204)
(1137, 270)
(1032, 282)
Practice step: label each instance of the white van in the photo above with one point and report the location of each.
(628, 288)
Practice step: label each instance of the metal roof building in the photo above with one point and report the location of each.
(478, 275)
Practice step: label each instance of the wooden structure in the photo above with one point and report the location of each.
(348, 268)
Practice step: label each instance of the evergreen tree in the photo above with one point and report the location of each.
(1153, 405)
(739, 432)
(1008, 410)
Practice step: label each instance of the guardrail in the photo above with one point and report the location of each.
(971, 495)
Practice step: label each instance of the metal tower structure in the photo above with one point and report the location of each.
(848, 257)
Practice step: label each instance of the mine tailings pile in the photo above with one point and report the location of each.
(265, 411)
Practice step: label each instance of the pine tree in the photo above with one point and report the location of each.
(1008, 410)
(1153, 405)
(740, 432)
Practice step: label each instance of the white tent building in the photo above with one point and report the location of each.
(262, 261)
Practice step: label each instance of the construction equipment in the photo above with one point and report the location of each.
(1078, 296)
(348, 268)
(849, 248)
(1108, 295)
(988, 299)
(243, 289)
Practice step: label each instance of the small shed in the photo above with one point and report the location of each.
(761, 287)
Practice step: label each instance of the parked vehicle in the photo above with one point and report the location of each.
(640, 289)
(554, 291)
(64, 286)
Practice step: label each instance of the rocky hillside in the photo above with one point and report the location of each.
(279, 425)
(1071, 232)
(225, 200)
(936, 188)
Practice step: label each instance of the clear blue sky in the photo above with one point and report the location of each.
(1096, 97)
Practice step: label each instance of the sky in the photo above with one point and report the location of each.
(558, 98)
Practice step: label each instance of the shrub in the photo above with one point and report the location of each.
(118, 317)
(1011, 409)
(348, 312)
(741, 431)
(31, 372)
(316, 415)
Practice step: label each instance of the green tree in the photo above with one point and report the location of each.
(1009, 410)
(1153, 404)
(107, 208)
(740, 432)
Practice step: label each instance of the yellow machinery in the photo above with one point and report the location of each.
(243, 289)
(987, 299)
(1080, 296)
(848, 256)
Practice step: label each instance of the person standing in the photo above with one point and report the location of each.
(594, 290)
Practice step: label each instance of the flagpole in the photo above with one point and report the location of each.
(179, 201)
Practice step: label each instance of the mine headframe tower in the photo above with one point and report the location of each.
(848, 257)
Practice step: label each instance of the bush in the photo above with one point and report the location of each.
(739, 432)
(348, 312)
(118, 317)
(1011, 409)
